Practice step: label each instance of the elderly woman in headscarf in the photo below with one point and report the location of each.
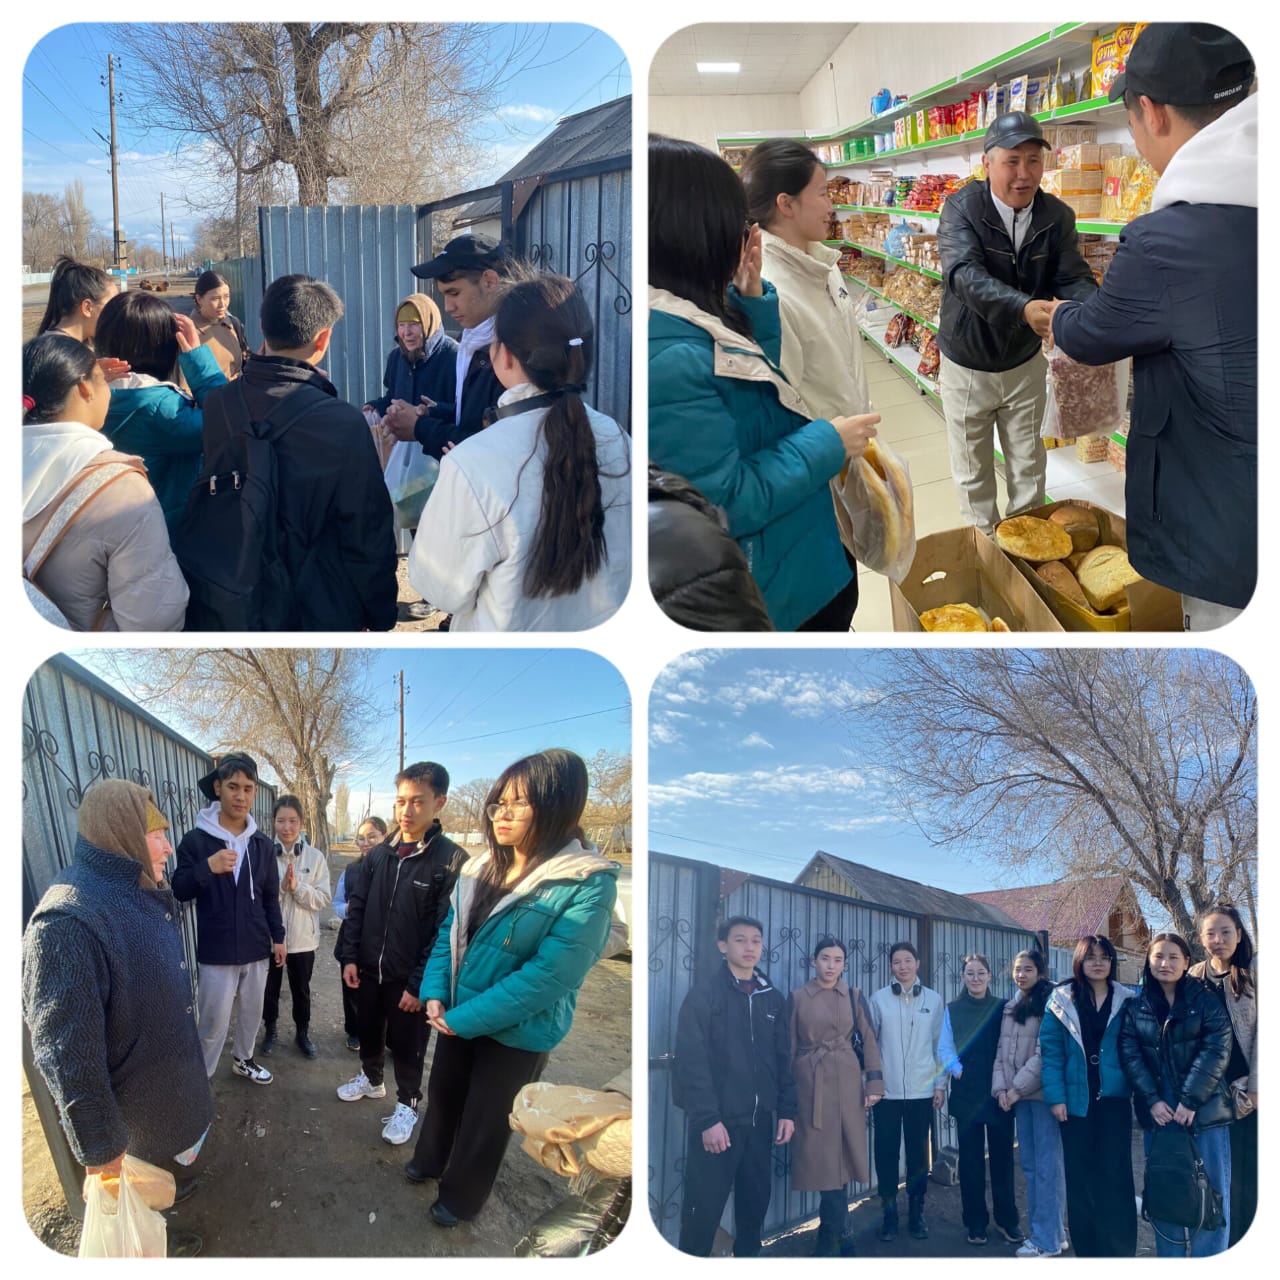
(421, 369)
(106, 993)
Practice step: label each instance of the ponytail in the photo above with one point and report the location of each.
(72, 283)
(52, 366)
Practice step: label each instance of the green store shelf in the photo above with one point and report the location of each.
(870, 288)
(872, 208)
(888, 257)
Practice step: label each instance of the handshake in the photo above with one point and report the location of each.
(1038, 313)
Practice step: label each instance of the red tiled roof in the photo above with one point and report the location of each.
(1068, 909)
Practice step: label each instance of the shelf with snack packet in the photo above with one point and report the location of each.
(880, 293)
(905, 358)
(898, 262)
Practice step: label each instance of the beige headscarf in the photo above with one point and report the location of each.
(114, 816)
(420, 307)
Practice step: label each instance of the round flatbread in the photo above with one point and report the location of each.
(953, 617)
(1033, 539)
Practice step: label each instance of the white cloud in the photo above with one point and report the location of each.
(527, 111)
(758, 787)
(756, 740)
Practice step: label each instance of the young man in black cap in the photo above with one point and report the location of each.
(472, 273)
(1181, 298)
(229, 867)
(397, 896)
(1007, 248)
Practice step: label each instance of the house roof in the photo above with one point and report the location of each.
(1068, 909)
(599, 133)
(909, 895)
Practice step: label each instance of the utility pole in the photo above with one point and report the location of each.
(173, 257)
(164, 261)
(115, 174)
(402, 721)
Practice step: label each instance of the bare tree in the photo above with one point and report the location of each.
(302, 712)
(1141, 763)
(342, 810)
(608, 813)
(305, 95)
(466, 806)
(77, 221)
(41, 229)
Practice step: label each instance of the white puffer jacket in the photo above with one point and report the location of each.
(301, 906)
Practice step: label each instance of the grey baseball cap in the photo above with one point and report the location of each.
(1012, 129)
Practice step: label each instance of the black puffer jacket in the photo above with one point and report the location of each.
(733, 1055)
(697, 572)
(1182, 1060)
(395, 907)
(479, 391)
(986, 286)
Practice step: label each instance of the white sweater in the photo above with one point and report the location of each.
(477, 530)
(907, 1032)
(300, 909)
(821, 346)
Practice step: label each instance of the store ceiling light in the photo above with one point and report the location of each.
(720, 68)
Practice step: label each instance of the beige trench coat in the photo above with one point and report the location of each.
(830, 1144)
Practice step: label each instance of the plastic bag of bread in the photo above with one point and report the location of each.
(876, 512)
(1086, 398)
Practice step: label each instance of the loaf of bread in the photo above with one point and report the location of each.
(1080, 523)
(1033, 539)
(890, 492)
(1058, 576)
(1073, 560)
(953, 617)
(1104, 573)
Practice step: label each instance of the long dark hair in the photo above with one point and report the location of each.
(697, 226)
(555, 784)
(1033, 1001)
(139, 328)
(545, 324)
(72, 283)
(209, 280)
(1150, 985)
(52, 366)
(777, 166)
(1241, 961)
(1078, 982)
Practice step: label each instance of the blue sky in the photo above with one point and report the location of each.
(751, 767)
(475, 710)
(567, 68)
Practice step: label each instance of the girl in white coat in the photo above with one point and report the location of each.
(528, 527)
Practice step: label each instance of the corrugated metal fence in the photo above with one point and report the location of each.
(687, 898)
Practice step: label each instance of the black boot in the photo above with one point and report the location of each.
(303, 1041)
(916, 1224)
(889, 1227)
(268, 1040)
(828, 1243)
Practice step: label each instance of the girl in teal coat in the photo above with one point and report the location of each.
(1085, 1088)
(149, 415)
(721, 413)
(526, 922)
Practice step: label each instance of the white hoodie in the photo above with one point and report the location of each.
(1219, 165)
(207, 820)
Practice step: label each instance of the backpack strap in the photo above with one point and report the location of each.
(68, 506)
(269, 428)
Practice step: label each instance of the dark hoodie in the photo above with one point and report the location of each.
(429, 372)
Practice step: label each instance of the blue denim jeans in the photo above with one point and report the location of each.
(1040, 1153)
(1215, 1150)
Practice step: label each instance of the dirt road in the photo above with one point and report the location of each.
(289, 1170)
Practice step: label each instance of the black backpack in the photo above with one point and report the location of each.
(227, 541)
(1177, 1190)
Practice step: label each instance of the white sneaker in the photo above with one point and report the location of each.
(1030, 1250)
(398, 1126)
(359, 1087)
(250, 1070)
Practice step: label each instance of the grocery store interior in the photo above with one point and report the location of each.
(897, 112)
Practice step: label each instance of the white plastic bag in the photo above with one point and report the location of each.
(121, 1226)
(875, 511)
(410, 476)
(1082, 399)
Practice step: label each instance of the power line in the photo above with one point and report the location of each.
(489, 697)
(59, 110)
(586, 715)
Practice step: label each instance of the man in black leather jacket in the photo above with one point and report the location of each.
(1007, 249)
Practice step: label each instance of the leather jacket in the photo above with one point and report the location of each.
(986, 286)
(1181, 1060)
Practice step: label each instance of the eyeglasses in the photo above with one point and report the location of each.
(513, 807)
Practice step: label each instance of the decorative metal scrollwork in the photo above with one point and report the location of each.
(785, 935)
(599, 256)
(542, 256)
(668, 930)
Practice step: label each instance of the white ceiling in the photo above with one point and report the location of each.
(776, 57)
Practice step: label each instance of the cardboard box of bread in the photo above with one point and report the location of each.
(961, 581)
(1073, 554)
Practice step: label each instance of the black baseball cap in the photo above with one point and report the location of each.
(463, 253)
(244, 763)
(1186, 64)
(1012, 129)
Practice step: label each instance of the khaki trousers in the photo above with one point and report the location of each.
(979, 406)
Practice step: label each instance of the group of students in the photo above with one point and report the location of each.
(489, 951)
(1063, 1067)
(133, 415)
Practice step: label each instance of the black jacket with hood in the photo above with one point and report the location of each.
(986, 286)
(480, 391)
(333, 509)
(733, 1055)
(395, 907)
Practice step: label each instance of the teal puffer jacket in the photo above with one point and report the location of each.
(722, 415)
(165, 429)
(517, 980)
(1064, 1075)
